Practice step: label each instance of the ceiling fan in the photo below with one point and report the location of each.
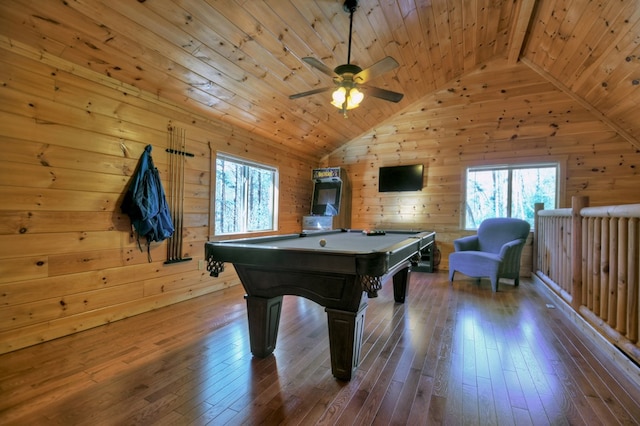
(349, 78)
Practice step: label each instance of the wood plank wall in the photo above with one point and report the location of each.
(497, 114)
(70, 141)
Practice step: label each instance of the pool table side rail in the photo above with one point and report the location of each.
(247, 251)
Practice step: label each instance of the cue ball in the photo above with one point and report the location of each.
(323, 242)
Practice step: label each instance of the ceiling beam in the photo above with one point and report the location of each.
(523, 14)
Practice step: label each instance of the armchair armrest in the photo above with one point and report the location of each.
(466, 243)
(508, 248)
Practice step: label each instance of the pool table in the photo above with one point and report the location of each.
(335, 269)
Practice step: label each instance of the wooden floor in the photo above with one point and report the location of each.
(453, 354)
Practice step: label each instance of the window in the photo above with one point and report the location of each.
(509, 191)
(246, 195)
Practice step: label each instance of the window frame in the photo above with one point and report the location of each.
(558, 162)
(251, 164)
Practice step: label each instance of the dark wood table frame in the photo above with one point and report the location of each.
(334, 279)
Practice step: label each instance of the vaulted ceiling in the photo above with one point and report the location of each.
(240, 60)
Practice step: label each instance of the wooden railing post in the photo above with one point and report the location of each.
(536, 222)
(577, 204)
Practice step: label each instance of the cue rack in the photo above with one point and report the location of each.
(177, 154)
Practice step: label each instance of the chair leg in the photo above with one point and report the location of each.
(452, 272)
(494, 284)
(516, 282)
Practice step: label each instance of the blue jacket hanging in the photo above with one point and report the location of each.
(146, 205)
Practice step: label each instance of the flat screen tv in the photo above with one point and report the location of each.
(401, 178)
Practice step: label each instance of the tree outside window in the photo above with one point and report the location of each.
(245, 198)
(509, 191)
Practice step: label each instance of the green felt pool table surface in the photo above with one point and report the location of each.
(348, 241)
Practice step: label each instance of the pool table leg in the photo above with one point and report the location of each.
(264, 318)
(401, 284)
(345, 340)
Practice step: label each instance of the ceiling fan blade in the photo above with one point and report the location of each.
(320, 66)
(387, 95)
(380, 67)
(310, 92)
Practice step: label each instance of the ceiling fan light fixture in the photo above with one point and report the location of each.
(346, 98)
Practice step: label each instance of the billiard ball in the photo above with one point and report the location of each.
(323, 242)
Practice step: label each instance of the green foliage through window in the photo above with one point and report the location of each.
(245, 199)
(509, 191)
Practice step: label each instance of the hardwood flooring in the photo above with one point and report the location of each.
(453, 354)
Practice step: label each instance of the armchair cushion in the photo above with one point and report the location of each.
(494, 252)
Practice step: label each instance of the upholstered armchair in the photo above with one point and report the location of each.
(494, 252)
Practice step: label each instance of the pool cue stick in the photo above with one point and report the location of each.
(171, 242)
(181, 191)
(176, 194)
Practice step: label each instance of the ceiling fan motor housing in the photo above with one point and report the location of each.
(347, 69)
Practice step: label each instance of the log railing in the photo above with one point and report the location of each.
(590, 257)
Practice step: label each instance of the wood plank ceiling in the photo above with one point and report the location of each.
(239, 60)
